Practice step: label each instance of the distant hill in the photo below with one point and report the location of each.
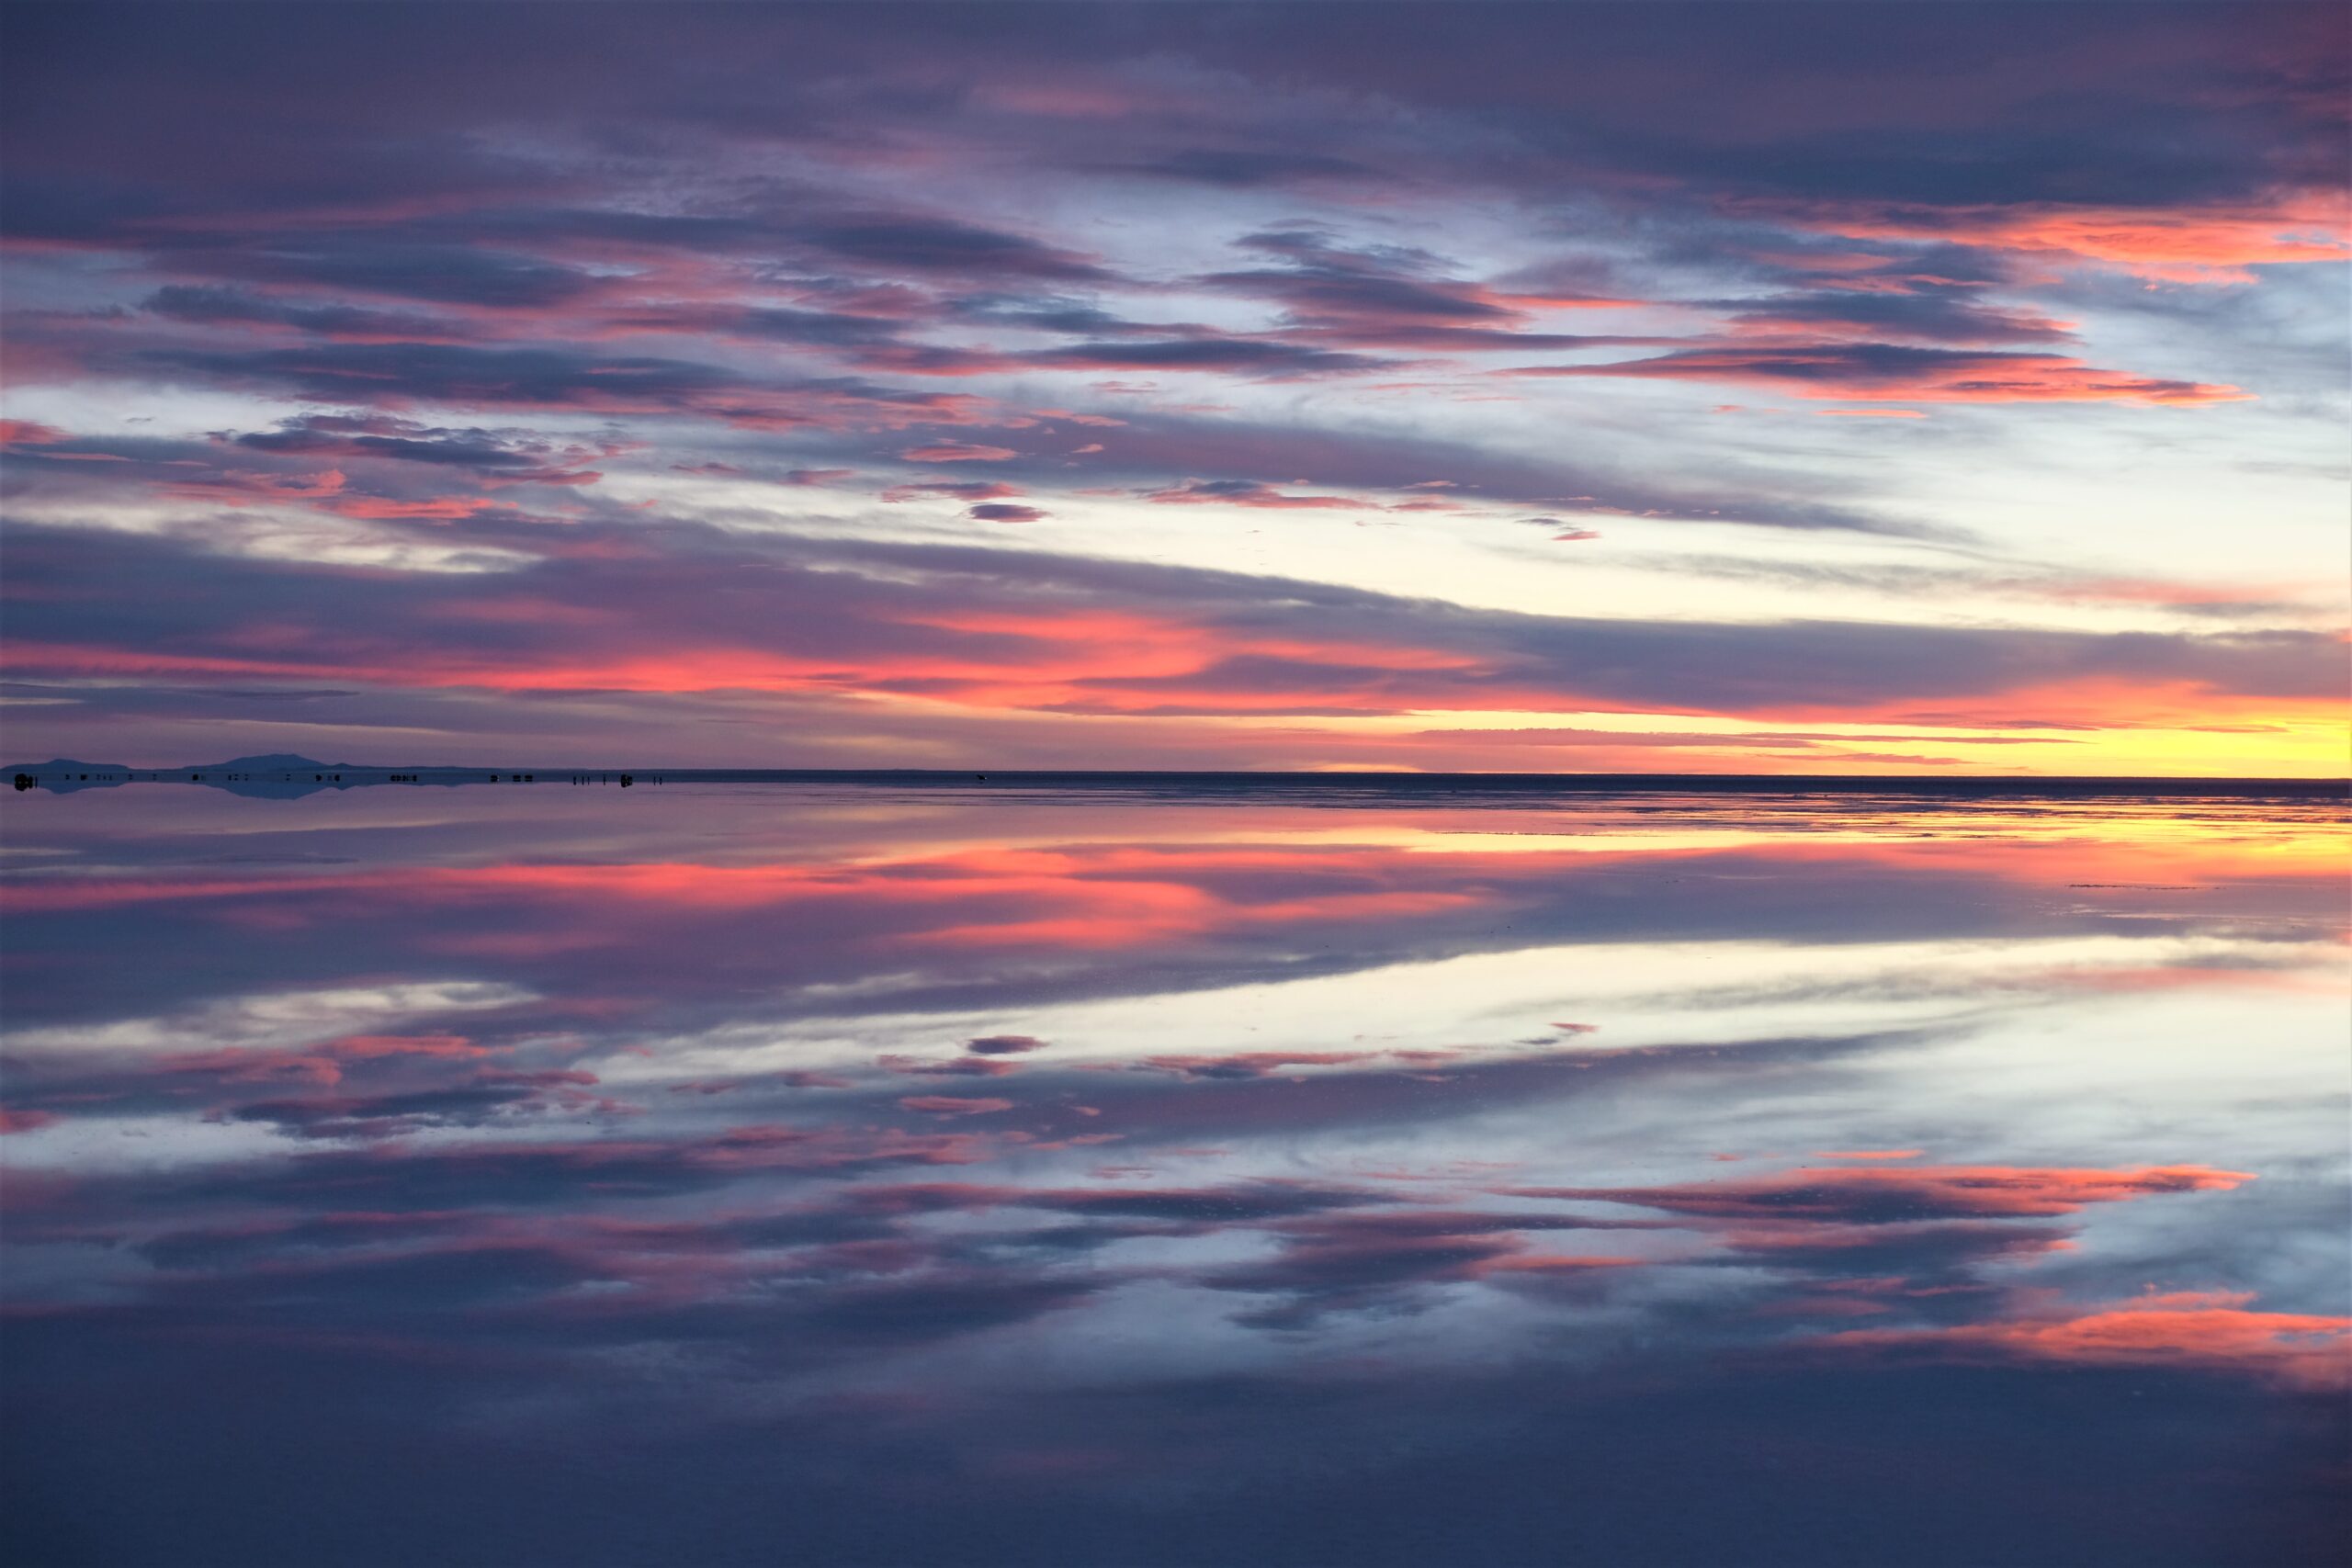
(273, 763)
(272, 775)
(275, 774)
(286, 776)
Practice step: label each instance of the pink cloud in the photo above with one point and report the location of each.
(953, 1105)
(957, 452)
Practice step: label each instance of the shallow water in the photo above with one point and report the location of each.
(800, 1173)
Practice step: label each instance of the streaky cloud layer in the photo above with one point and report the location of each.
(1275, 386)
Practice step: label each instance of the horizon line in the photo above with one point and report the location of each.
(284, 768)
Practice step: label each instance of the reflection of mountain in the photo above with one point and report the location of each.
(278, 776)
(64, 775)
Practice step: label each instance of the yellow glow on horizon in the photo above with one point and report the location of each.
(2294, 743)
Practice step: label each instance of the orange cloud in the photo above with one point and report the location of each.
(2186, 245)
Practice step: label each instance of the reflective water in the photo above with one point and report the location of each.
(757, 1174)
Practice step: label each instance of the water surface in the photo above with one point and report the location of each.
(757, 1173)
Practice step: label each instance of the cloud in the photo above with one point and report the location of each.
(212, 305)
(438, 274)
(494, 457)
(953, 1067)
(1237, 356)
(1904, 373)
(1247, 168)
(939, 244)
(1158, 445)
(1867, 1195)
(2209, 1329)
(1245, 1065)
(397, 375)
(957, 452)
(2194, 242)
(1003, 1044)
(632, 610)
(1932, 314)
(952, 1105)
(1248, 492)
(976, 490)
(1395, 298)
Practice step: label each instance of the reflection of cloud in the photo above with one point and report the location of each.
(1864, 1195)
(1906, 373)
(641, 1156)
(2208, 1330)
(274, 1020)
(952, 1105)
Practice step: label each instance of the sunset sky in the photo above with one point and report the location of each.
(1506, 387)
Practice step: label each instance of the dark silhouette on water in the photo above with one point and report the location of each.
(275, 776)
(287, 776)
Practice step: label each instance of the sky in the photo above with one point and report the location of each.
(1666, 388)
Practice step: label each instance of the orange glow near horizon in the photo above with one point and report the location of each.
(1044, 667)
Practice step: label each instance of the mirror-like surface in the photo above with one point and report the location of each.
(761, 1173)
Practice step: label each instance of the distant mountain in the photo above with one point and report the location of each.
(274, 763)
(278, 775)
(284, 775)
(274, 775)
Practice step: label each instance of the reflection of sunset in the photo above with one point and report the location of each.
(1015, 1104)
(2213, 1329)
